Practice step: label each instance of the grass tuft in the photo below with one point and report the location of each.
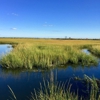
(44, 57)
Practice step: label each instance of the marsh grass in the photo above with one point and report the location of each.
(59, 91)
(95, 50)
(94, 91)
(45, 56)
(50, 91)
(53, 92)
(12, 93)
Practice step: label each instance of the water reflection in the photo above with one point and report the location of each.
(4, 49)
(74, 68)
(27, 80)
(24, 81)
(86, 51)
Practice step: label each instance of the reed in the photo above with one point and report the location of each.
(94, 90)
(45, 56)
(12, 93)
(58, 91)
(54, 92)
(95, 50)
(47, 53)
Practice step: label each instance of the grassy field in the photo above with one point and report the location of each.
(95, 50)
(50, 41)
(47, 53)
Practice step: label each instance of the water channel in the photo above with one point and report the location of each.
(23, 82)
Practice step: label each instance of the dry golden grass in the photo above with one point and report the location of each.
(43, 53)
(50, 41)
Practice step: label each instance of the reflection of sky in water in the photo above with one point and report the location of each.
(86, 51)
(23, 82)
(5, 48)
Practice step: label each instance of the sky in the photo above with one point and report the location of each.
(50, 18)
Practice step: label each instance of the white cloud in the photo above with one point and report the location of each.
(14, 14)
(13, 28)
(46, 24)
(50, 25)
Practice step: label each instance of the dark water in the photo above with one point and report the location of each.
(23, 82)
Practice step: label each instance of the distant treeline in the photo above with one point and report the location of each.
(52, 38)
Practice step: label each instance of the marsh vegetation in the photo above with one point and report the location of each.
(45, 56)
(41, 54)
(58, 91)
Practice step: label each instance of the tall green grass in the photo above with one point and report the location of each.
(95, 50)
(54, 92)
(44, 56)
(94, 91)
(58, 91)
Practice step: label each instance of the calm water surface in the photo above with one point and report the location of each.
(4, 49)
(23, 82)
(86, 51)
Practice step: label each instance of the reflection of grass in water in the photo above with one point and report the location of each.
(74, 66)
(44, 57)
(17, 71)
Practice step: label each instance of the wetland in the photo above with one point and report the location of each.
(27, 65)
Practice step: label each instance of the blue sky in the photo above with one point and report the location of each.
(50, 18)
